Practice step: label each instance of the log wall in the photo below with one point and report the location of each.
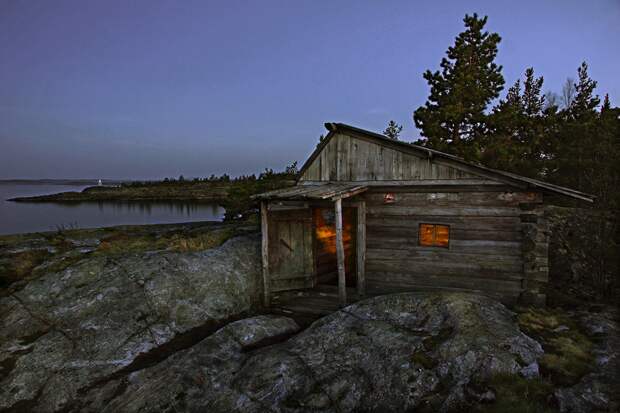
(496, 245)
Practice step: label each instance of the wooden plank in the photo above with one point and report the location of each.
(456, 232)
(410, 245)
(265, 251)
(438, 254)
(347, 192)
(332, 158)
(361, 249)
(432, 266)
(412, 281)
(367, 180)
(391, 210)
(414, 198)
(456, 222)
(342, 287)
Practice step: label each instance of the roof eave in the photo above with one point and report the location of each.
(502, 176)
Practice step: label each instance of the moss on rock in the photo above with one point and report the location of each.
(568, 351)
(515, 394)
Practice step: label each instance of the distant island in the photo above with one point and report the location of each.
(108, 182)
(156, 191)
(231, 193)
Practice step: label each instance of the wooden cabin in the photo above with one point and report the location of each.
(370, 215)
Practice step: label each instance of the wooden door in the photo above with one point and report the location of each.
(291, 261)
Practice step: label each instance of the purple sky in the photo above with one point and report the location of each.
(147, 89)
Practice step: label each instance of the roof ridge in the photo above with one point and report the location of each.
(334, 127)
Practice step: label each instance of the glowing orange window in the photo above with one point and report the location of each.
(434, 235)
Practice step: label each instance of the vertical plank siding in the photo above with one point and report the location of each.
(350, 159)
(290, 261)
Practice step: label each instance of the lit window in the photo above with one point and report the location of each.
(434, 235)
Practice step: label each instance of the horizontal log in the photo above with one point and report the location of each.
(459, 265)
(484, 248)
(455, 222)
(391, 254)
(414, 183)
(455, 233)
(395, 210)
(408, 280)
(453, 199)
(374, 189)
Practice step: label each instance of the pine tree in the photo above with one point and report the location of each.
(453, 118)
(393, 130)
(584, 102)
(606, 103)
(533, 99)
(519, 126)
(578, 138)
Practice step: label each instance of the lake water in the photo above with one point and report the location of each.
(19, 217)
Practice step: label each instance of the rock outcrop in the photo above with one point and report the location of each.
(66, 333)
(390, 353)
(600, 389)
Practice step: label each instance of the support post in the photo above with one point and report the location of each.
(361, 249)
(264, 221)
(342, 280)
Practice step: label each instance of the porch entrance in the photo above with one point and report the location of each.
(313, 244)
(324, 232)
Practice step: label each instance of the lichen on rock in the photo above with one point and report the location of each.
(65, 332)
(360, 358)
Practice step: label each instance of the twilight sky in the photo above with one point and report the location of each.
(151, 88)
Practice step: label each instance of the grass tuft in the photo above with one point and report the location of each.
(568, 352)
(19, 266)
(515, 394)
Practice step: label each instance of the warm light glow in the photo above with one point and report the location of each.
(326, 232)
(442, 235)
(433, 235)
(427, 233)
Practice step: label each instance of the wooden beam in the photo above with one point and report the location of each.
(361, 249)
(342, 280)
(348, 192)
(415, 182)
(264, 220)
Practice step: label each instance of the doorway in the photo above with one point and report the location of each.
(324, 229)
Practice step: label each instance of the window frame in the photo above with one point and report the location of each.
(434, 225)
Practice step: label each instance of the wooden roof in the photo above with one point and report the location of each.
(330, 191)
(451, 160)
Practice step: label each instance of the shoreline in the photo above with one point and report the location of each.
(128, 194)
(226, 193)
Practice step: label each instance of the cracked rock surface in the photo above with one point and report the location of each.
(66, 333)
(398, 352)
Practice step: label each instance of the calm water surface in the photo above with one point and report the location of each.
(19, 217)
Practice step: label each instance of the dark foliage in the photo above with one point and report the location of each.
(393, 130)
(570, 140)
(453, 119)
